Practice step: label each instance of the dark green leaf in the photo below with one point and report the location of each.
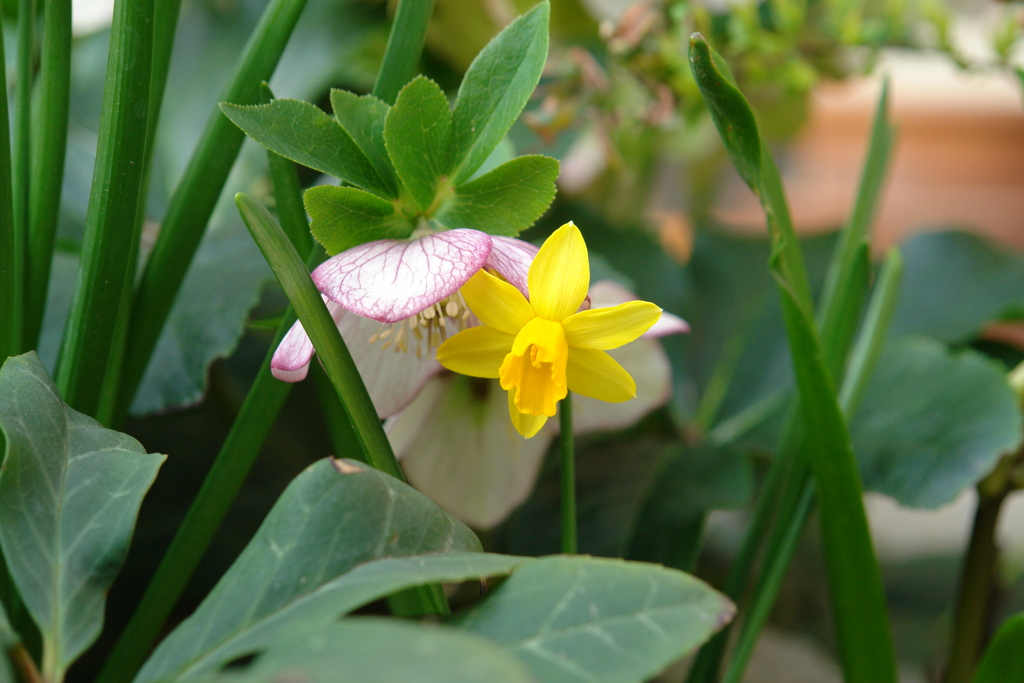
(588, 619)
(1004, 659)
(496, 88)
(374, 650)
(418, 132)
(343, 217)
(933, 422)
(303, 133)
(955, 283)
(332, 517)
(70, 492)
(363, 118)
(505, 201)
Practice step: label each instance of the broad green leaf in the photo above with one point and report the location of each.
(1004, 659)
(300, 131)
(325, 605)
(335, 515)
(69, 494)
(375, 650)
(343, 217)
(955, 283)
(363, 117)
(933, 422)
(418, 132)
(588, 619)
(505, 201)
(496, 88)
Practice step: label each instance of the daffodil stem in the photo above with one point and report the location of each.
(565, 447)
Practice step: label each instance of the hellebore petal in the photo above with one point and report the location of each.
(457, 446)
(290, 362)
(560, 274)
(390, 280)
(512, 258)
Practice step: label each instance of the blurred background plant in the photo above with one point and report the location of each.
(646, 177)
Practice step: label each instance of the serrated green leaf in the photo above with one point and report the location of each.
(495, 89)
(343, 217)
(1004, 659)
(418, 132)
(69, 494)
(332, 517)
(933, 422)
(300, 131)
(375, 650)
(505, 201)
(363, 117)
(589, 619)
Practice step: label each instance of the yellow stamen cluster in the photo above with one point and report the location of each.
(429, 324)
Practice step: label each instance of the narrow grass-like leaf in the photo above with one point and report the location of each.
(21, 159)
(505, 201)
(403, 49)
(10, 304)
(1004, 659)
(417, 133)
(335, 515)
(71, 490)
(862, 625)
(495, 89)
(363, 118)
(197, 193)
(300, 131)
(590, 619)
(343, 217)
(88, 363)
(49, 141)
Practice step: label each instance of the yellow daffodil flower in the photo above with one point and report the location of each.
(542, 348)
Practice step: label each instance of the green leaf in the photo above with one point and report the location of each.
(505, 201)
(1004, 659)
(955, 283)
(418, 132)
(375, 650)
(335, 515)
(363, 118)
(343, 217)
(933, 422)
(300, 131)
(495, 89)
(588, 619)
(71, 490)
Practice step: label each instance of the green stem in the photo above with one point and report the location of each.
(339, 427)
(566, 450)
(403, 50)
(10, 304)
(49, 142)
(194, 199)
(21, 161)
(974, 601)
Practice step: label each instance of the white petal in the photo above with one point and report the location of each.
(647, 363)
(392, 377)
(389, 280)
(290, 362)
(458, 446)
(512, 258)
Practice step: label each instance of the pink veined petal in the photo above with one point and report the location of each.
(512, 259)
(392, 378)
(607, 293)
(290, 361)
(390, 280)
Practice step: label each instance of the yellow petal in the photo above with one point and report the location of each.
(560, 274)
(526, 425)
(595, 374)
(477, 352)
(496, 303)
(610, 328)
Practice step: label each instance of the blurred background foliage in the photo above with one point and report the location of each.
(645, 176)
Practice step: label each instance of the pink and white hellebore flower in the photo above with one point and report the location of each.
(458, 446)
(395, 301)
